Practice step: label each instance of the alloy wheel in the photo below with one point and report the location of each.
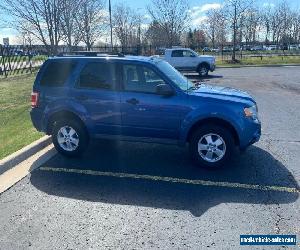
(211, 147)
(68, 138)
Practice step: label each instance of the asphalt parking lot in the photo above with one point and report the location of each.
(116, 196)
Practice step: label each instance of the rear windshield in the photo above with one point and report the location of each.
(57, 73)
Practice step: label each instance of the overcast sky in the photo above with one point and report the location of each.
(198, 8)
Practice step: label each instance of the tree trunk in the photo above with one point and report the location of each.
(234, 34)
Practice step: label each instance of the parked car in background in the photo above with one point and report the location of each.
(216, 50)
(256, 48)
(188, 60)
(284, 47)
(294, 47)
(160, 51)
(206, 49)
(271, 47)
(246, 47)
(31, 53)
(227, 49)
(142, 99)
(18, 53)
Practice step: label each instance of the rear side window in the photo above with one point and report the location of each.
(96, 75)
(177, 53)
(57, 73)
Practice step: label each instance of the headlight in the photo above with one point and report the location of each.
(251, 112)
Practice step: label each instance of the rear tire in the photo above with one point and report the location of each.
(69, 138)
(211, 146)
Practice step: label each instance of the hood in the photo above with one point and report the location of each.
(221, 92)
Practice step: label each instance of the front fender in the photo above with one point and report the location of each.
(224, 113)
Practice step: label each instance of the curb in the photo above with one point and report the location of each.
(256, 66)
(15, 158)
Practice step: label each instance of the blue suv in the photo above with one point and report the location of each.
(145, 99)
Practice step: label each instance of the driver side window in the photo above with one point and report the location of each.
(187, 53)
(138, 78)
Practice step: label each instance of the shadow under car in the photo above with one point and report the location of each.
(255, 167)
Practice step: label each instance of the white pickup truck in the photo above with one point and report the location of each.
(188, 60)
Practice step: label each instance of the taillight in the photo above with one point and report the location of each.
(34, 99)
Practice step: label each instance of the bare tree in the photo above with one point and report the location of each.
(127, 25)
(278, 23)
(295, 26)
(172, 16)
(250, 27)
(275, 25)
(42, 16)
(211, 26)
(285, 15)
(25, 37)
(216, 27)
(91, 20)
(155, 35)
(265, 22)
(235, 10)
(71, 34)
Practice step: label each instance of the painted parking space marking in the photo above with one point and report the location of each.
(173, 180)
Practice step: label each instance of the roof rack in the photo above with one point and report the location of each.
(91, 53)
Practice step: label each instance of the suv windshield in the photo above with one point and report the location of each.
(180, 80)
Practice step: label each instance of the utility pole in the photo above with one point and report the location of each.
(111, 41)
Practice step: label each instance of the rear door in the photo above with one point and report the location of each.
(177, 59)
(96, 91)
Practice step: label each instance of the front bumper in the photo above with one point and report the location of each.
(250, 135)
(212, 67)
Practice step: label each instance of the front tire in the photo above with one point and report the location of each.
(69, 138)
(203, 70)
(211, 146)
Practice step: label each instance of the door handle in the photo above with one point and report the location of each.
(132, 101)
(82, 97)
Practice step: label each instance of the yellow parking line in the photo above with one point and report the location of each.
(173, 180)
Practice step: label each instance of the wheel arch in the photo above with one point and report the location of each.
(215, 121)
(62, 115)
(206, 64)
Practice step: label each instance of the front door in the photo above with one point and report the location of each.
(145, 113)
(189, 60)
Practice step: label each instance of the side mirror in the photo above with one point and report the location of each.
(193, 55)
(164, 89)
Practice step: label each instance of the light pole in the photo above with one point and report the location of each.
(111, 41)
